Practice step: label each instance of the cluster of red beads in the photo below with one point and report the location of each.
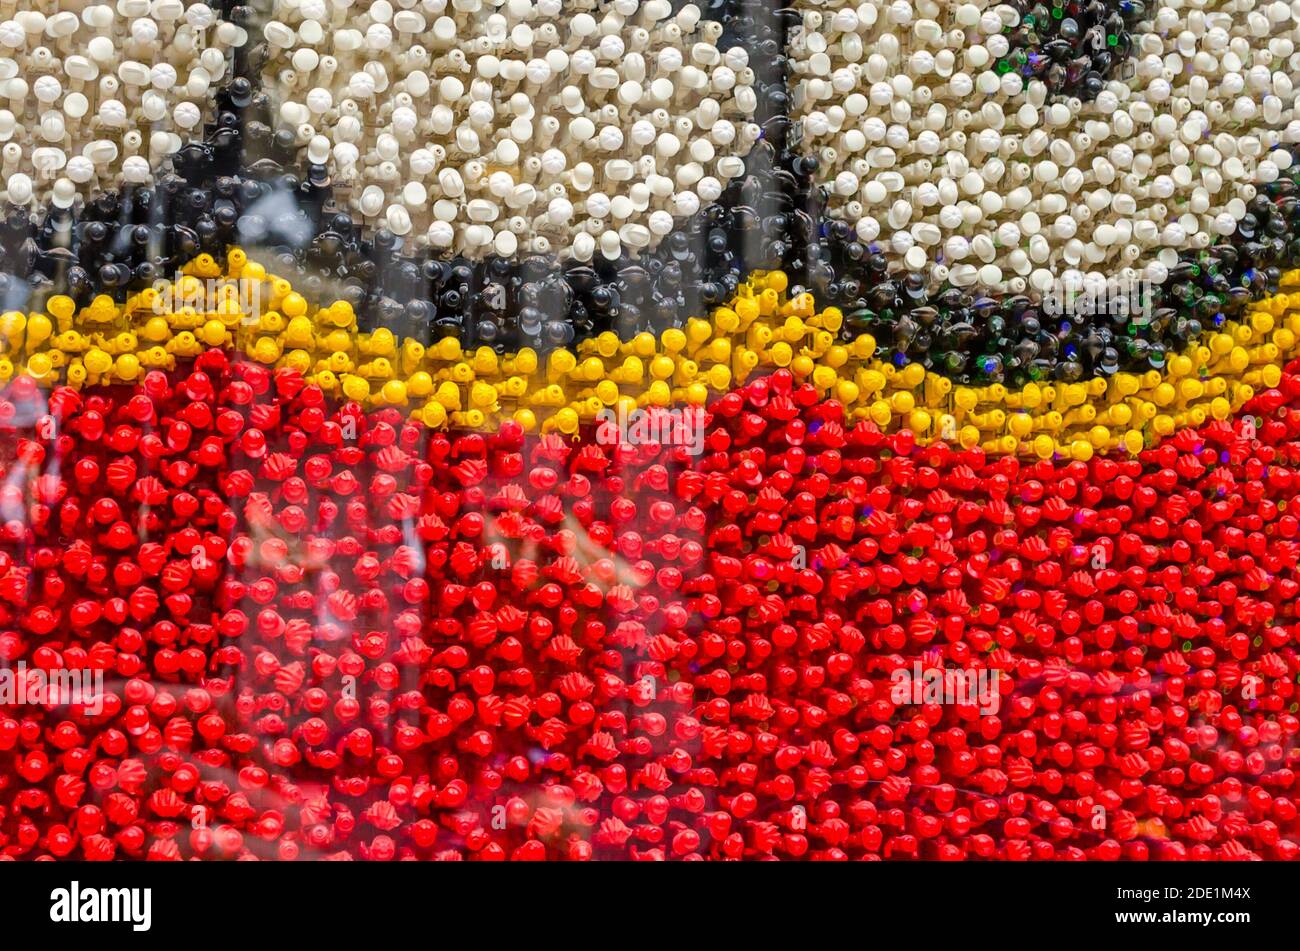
(332, 633)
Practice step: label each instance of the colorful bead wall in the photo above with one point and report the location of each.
(643, 430)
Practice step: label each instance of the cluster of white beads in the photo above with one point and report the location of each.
(977, 177)
(504, 126)
(95, 95)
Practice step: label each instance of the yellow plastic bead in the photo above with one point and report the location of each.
(39, 329)
(448, 394)
(381, 343)
(662, 367)
(420, 384)
(394, 392)
(74, 342)
(912, 375)
(697, 331)
(293, 305)
(127, 367)
(1164, 394)
(1133, 442)
(937, 389)
(718, 350)
(1126, 384)
(562, 363)
(344, 315)
(300, 333)
(299, 360)
(566, 420)
(265, 351)
(12, 324)
(435, 415)
(156, 329)
(97, 362)
(592, 369)
(607, 391)
(836, 356)
(271, 322)
(61, 307)
(864, 347)
(39, 365)
(644, 345)
(607, 344)
(1074, 394)
(824, 378)
(356, 388)
(748, 310)
(205, 266)
(526, 361)
(213, 333)
(155, 358)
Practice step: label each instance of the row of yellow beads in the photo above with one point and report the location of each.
(242, 306)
